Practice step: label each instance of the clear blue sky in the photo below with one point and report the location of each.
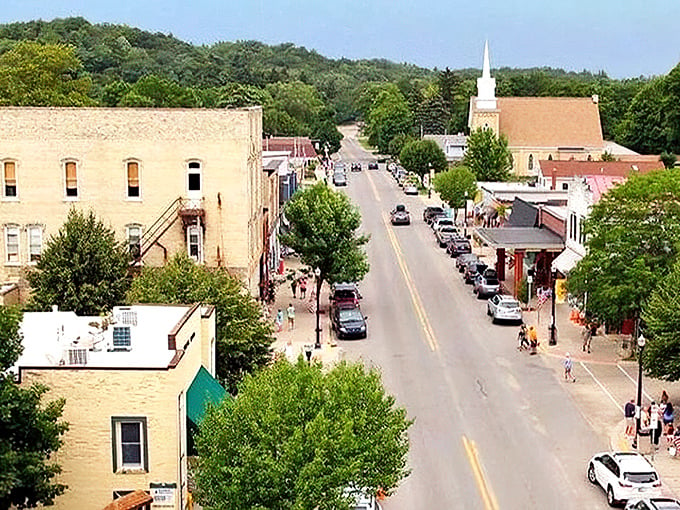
(625, 38)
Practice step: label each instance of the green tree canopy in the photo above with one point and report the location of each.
(297, 435)
(323, 231)
(633, 236)
(30, 429)
(488, 156)
(83, 268)
(244, 338)
(421, 155)
(34, 74)
(662, 322)
(397, 144)
(388, 116)
(454, 185)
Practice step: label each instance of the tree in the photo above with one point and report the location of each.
(632, 241)
(244, 338)
(607, 156)
(83, 268)
(34, 74)
(30, 430)
(668, 159)
(421, 155)
(325, 430)
(397, 144)
(488, 156)
(662, 323)
(387, 117)
(323, 225)
(454, 186)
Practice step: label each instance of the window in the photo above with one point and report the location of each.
(590, 158)
(71, 179)
(581, 234)
(572, 226)
(9, 176)
(531, 161)
(130, 447)
(565, 186)
(194, 176)
(121, 338)
(132, 179)
(549, 157)
(134, 236)
(34, 243)
(195, 242)
(12, 244)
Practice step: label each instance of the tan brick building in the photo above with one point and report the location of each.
(135, 385)
(164, 179)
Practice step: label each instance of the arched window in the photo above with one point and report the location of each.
(549, 157)
(71, 179)
(590, 158)
(531, 161)
(194, 180)
(132, 173)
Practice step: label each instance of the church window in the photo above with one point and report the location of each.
(590, 158)
(531, 161)
(549, 157)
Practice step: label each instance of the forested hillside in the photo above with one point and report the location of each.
(71, 61)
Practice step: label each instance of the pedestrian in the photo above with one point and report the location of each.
(668, 418)
(655, 424)
(629, 413)
(303, 287)
(293, 286)
(279, 320)
(522, 340)
(533, 339)
(290, 312)
(568, 365)
(587, 335)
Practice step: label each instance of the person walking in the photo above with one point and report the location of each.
(293, 286)
(303, 287)
(522, 340)
(290, 312)
(629, 414)
(533, 339)
(568, 366)
(279, 320)
(655, 424)
(587, 334)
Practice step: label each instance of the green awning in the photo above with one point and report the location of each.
(204, 389)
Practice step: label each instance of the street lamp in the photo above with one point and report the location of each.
(553, 326)
(317, 273)
(429, 180)
(308, 352)
(465, 216)
(638, 411)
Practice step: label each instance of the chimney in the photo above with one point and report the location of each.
(596, 98)
(553, 185)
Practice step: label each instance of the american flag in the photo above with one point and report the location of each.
(543, 296)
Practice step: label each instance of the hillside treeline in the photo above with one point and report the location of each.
(301, 91)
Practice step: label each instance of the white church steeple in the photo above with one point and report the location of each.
(486, 85)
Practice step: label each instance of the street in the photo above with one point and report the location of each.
(493, 428)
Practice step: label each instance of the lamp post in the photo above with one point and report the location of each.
(429, 180)
(638, 408)
(317, 274)
(553, 326)
(465, 216)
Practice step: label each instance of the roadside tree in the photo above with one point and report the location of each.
(83, 268)
(421, 155)
(388, 116)
(454, 185)
(397, 144)
(244, 338)
(323, 230)
(325, 430)
(632, 239)
(30, 429)
(488, 156)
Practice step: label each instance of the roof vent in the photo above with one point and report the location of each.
(596, 98)
(75, 356)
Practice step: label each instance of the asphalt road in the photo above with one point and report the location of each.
(494, 428)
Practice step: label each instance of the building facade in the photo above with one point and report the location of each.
(166, 180)
(134, 383)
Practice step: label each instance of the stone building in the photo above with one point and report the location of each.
(165, 180)
(537, 128)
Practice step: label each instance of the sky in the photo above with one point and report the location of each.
(624, 38)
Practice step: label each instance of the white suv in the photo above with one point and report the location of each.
(624, 476)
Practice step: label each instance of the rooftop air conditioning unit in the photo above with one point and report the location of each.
(76, 356)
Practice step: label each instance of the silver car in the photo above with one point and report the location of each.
(653, 504)
(486, 284)
(504, 308)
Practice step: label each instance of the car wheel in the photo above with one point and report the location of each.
(591, 474)
(493, 320)
(610, 497)
(488, 311)
(480, 295)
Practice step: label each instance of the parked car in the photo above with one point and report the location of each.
(344, 293)
(458, 246)
(348, 321)
(472, 269)
(355, 167)
(410, 189)
(400, 216)
(442, 221)
(463, 260)
(445, 234)
(504, 308)
(653, 504)
(373, 166)
(339, 166)
(624, 476)
(339, 179)
(430, 211)
(486, 284)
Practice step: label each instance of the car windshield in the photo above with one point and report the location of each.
(345, 294)
(491, 281)
(351, 314)
(400, 208)
(509, 304)
(640, 477)
(447, 230)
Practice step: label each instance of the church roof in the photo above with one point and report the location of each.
(572, 168)
(560, 122)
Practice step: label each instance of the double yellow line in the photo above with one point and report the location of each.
(488, 497)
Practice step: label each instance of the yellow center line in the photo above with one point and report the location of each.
(375, 190)
(488, 497)
(415, 297)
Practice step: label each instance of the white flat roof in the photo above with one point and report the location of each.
(49, 336)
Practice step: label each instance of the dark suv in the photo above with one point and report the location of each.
(432, 211)
(373, 166)
(472, 269)
(458, 246)
(348, 321)
(344, 294)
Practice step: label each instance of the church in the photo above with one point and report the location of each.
(537, 128)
